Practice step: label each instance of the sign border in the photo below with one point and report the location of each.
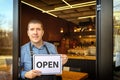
(48, 55)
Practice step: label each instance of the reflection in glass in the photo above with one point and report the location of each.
(116, 17)
(116, 52)
(6, 30)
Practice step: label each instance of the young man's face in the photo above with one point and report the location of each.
(35, 32)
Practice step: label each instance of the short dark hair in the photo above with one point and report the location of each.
(36, 21)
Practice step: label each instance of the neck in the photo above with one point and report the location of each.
(38, 44)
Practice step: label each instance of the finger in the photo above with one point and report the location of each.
(63, 55)
(36, 71)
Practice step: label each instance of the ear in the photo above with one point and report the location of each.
(43, 33)
(27, 33)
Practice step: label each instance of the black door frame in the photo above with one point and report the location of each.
(15, 39)
(104, 33)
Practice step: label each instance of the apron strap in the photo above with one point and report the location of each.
(43, 77)
(31, 52)
(47, 49)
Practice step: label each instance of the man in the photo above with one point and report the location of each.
(36, 46)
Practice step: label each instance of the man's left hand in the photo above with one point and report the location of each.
(64, 58)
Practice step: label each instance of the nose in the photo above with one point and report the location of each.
(35, 31)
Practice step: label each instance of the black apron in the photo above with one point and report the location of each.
(43, 77)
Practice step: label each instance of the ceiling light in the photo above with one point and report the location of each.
(74, 6)
(85, 3)
(67, 3)
(86, 17)
(39, 9)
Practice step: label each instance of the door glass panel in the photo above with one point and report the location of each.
(6, 30)
(116, 52)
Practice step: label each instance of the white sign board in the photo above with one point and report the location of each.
(47, 63)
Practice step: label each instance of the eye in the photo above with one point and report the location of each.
(31, 29)
(39, 29)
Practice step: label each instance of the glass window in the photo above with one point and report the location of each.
(116, 52)
(6, 31)
(116, 17)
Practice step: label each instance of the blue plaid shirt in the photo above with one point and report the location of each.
(25, 59)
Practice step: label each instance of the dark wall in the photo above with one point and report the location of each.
(52, 24)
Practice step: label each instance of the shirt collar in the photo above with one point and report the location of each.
(42, 47)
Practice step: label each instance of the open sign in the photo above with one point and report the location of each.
(47, 63)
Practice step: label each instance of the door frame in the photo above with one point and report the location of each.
(15, 39)
(104, 33)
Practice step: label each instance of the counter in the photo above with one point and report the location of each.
(82, 57)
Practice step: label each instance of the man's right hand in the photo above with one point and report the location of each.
(32, 74)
